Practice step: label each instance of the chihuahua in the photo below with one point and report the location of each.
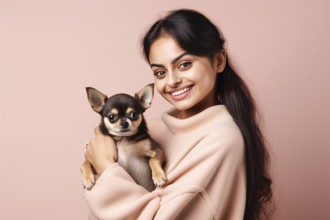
(122, 119)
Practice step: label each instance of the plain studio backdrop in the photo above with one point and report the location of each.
(51, 50)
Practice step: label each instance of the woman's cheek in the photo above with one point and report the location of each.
(159, 86)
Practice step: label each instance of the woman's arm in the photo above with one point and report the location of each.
(115, 194)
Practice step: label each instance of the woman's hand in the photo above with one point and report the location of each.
(101, 151)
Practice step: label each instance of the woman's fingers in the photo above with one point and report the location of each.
(101, 151)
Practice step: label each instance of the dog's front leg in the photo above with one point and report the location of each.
(156, 160)
(88, 178)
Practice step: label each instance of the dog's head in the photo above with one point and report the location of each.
(122, 114)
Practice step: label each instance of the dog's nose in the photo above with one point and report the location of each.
(124, 124)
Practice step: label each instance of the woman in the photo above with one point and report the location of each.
(217, 163)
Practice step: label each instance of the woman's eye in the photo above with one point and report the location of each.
(159, 74)
(133, 115)
(184, 65)
(113, 118)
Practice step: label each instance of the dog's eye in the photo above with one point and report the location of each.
(133, 115)
(113, 118)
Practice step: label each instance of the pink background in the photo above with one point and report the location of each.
(51, 50)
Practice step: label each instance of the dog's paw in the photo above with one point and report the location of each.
(159, 178)
(88, 181)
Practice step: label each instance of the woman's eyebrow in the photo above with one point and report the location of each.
(172, 62)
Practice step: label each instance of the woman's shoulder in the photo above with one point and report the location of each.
(218, 123)
(225, 135)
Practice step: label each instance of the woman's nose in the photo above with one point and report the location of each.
(174, 79)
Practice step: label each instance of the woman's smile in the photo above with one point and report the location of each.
(180, 94)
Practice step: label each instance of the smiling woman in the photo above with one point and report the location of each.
(184, 79)
(216, 159)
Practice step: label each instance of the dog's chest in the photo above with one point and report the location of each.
(128, 151)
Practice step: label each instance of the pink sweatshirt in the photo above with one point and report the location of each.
(205, 170)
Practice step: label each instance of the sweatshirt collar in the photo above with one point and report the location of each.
(195, 124)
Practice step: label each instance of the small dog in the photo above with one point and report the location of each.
(122, 119)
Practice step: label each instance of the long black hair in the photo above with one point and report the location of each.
(197, 35)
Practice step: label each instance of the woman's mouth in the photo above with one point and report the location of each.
(181, 94)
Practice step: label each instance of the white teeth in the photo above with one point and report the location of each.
(179, 92)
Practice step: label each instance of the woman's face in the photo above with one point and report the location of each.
(184, 80)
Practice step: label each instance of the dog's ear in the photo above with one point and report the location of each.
(96, 99)
(145, 95)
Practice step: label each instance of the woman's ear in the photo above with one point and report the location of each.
(220, 60)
